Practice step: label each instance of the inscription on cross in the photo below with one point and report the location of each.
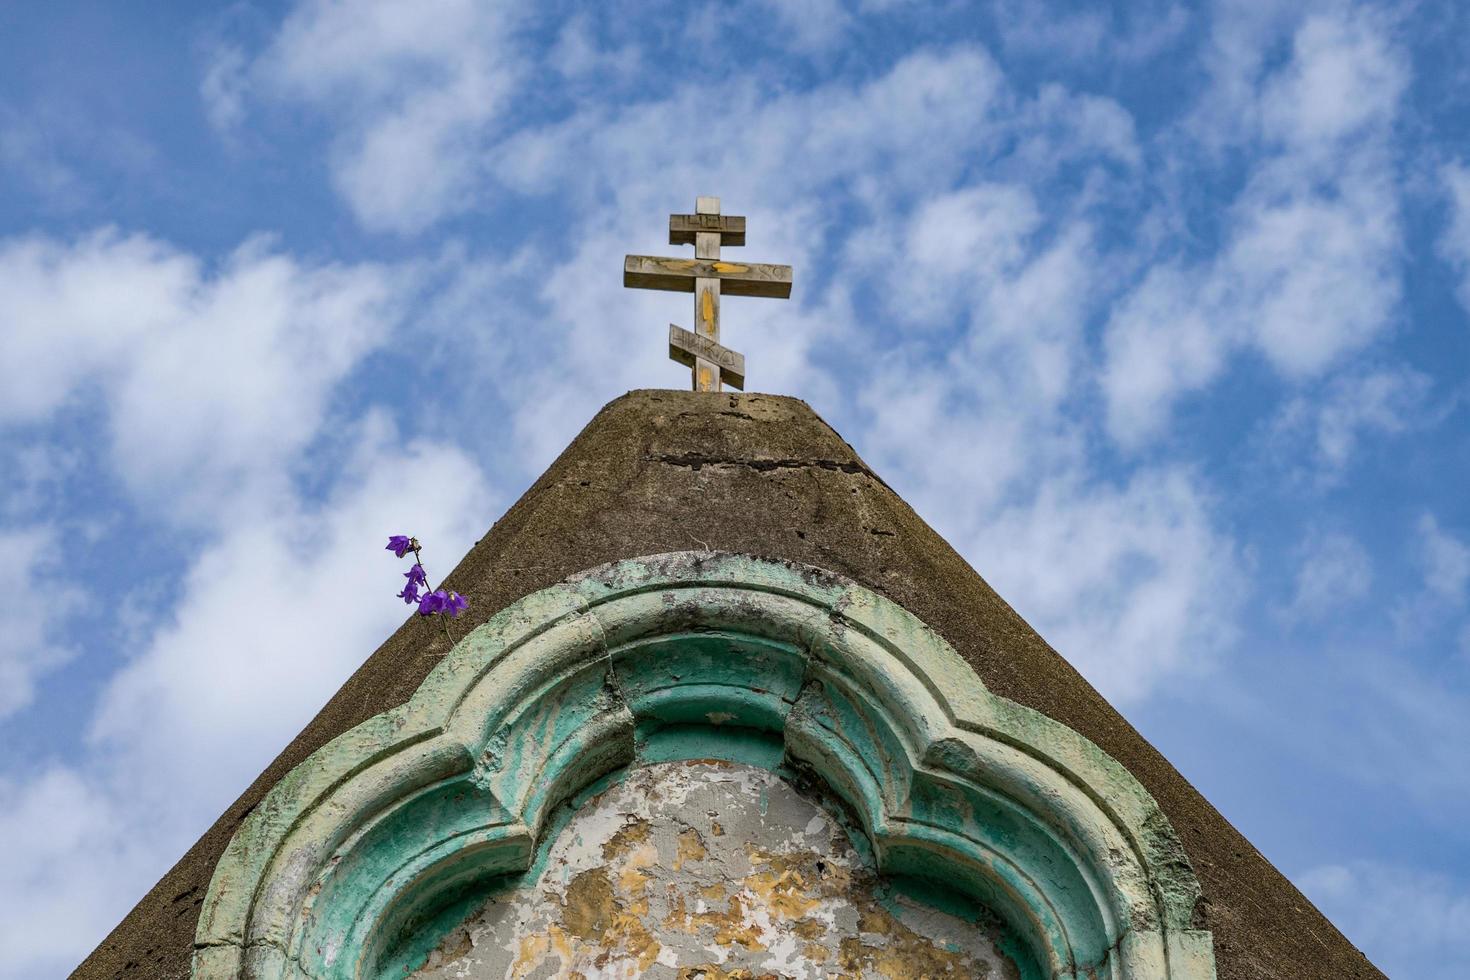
(707, 276)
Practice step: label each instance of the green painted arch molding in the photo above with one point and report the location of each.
(684, 655)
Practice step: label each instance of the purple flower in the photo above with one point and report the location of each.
(416, 580)
(416, 589)
(432, 602)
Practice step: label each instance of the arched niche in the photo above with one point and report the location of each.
(692, 655)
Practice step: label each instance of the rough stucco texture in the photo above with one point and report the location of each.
(710, 870)
(660, 471)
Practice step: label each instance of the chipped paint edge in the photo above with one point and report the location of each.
(878, 704)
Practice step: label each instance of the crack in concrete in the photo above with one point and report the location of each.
(696, 460)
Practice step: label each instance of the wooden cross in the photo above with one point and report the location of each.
(706, 276)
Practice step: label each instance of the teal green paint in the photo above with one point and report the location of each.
(659, 742)
(381, 834)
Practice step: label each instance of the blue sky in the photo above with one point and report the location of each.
(1157, 312)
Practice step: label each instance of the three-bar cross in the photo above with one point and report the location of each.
(706, 276)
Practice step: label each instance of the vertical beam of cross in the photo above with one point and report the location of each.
(706, 373)
(707, 276)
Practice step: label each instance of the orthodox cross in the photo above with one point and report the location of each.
(706, 276)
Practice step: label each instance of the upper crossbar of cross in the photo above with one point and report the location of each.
(706, 276)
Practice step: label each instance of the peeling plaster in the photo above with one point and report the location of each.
(712, 870)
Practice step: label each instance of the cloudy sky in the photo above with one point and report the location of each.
(1157, 313)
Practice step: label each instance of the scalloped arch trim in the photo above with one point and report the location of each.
(359, 845)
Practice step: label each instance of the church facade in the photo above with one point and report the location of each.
(728, 708)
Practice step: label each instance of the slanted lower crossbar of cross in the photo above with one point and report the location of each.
(706, 276)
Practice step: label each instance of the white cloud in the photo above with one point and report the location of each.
(32, 611)
(1445, 560)
(806, 25)
(1312, 278)
(412, 94)
(577, 54)
(1034, 27)
(1410, 921)
(64, 316)
(1137, 33)
(1308, 266)
(214, 379)
(925, 433)
(1304, 281)
(986, 412)
(1391, 714)
(919, 124)
(1070, 122)
(73, 866)
(1020, 287)
(1432, 612)
(269, 621)
(1335, 571)
(414, 102)
(36, 472)
(1333, 421)
(1243, 36)
(1344, 81)
(1383, 401)
(1160, 341)
(272, 617)
(224, 88)
(1454, 243)
(29, 153)
(1130, 583)
(955, 246)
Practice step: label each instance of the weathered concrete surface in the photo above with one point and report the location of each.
(664, 471)
(704, 869)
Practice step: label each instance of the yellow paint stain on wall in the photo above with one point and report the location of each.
(533, 951)
(588, 907)
(690, 849)
(784, 893)
(732, 927)
(639, 865)
(634, 833)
